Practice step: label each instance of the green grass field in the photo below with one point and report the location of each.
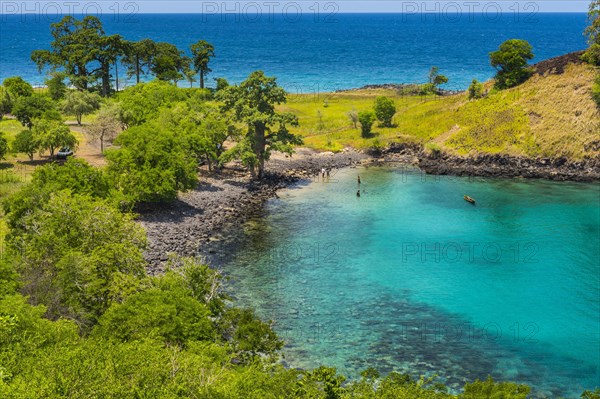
(546, 116)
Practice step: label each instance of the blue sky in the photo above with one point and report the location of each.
(360, 5)
(307, 6)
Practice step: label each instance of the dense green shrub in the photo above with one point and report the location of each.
(366, 119)
(76, 176)
(475, 90)
(385, 109)
(152, 164)
(3, 145)
(142, 102)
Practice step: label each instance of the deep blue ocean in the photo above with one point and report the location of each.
(310, 54)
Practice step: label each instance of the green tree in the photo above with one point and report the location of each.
(435, 78)
(26, 143)
(76, 45)
(152, 164)
(3, 145)
(251, 338)
(138, 57)
(385, 109)
(142, 103)
(108, 51)
(80, 103)
(329, 383)
(189, 73)
(592, 55)
(52, 135)
(475, 90)
(56, 86)
(202, 52)
(69, 251)
(204, 128)
(28, 109)
(17, 87)
(366, 119)
(168, 63)
(6, 102)
(106, 126)
(253, 103)
(221, 83)
(11, 90)
(510, 60)
(593, 31)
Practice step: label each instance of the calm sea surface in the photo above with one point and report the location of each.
(324, 54)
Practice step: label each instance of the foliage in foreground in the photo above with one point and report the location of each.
(79, 317)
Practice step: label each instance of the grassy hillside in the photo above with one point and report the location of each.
(550, 115)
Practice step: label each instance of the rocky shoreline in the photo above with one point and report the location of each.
(498, 165)
(196, 224)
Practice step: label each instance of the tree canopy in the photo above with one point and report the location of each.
(36, 107)
(202, 52)
(152, 164)
(510, 60)
(79, 103)
(385, 109)
(253, 103)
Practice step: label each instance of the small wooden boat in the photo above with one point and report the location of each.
(469, 199)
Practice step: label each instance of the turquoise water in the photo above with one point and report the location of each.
(410, 277)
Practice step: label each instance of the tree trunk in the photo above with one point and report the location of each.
(137, 69)
(259, 147)
(105, 68)
(117, 75)
(79, 116)
(102, 143)
(201, 79)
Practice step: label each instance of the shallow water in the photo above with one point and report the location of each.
(410, 277)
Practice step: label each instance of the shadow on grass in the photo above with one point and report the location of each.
(369, 135)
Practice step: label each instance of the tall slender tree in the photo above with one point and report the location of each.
(107, 54)
(202, 53)
(137, 57)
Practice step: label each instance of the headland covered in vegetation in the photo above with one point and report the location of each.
(92, 306)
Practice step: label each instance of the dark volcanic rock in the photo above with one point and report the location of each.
(194, 224)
